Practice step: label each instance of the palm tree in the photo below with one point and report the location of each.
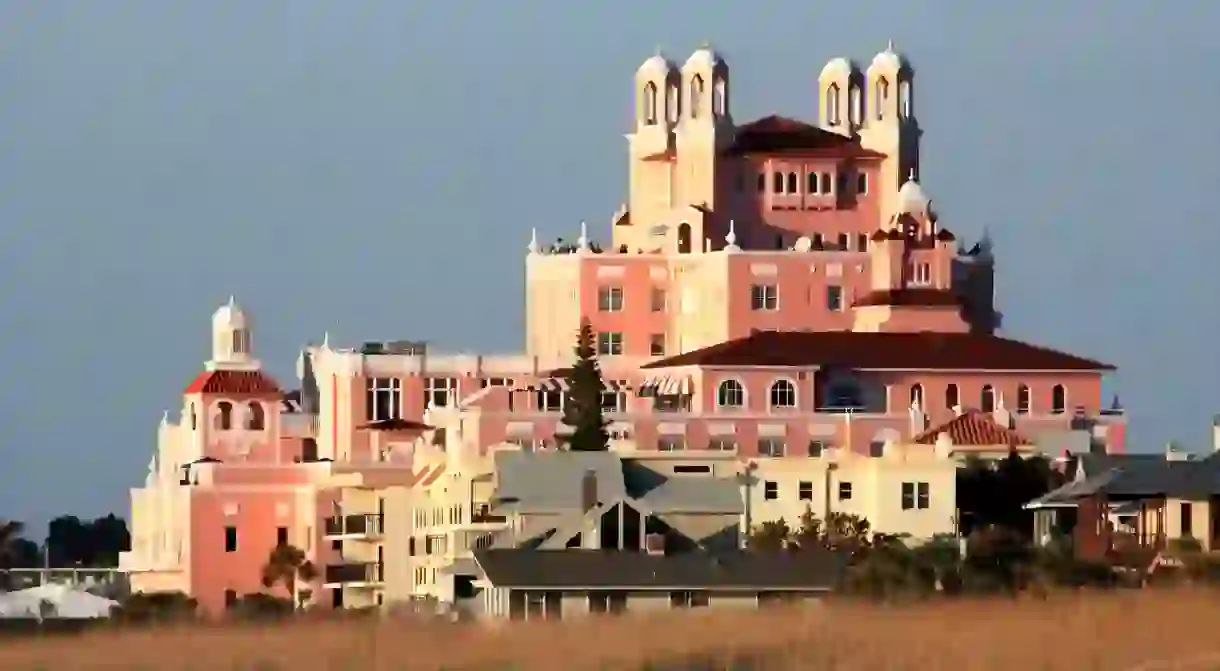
(288, 565)
(10, 533)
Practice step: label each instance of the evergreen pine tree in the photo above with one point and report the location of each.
(583, 408)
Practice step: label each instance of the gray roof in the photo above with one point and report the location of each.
(597, 569)
(1138, 478)
(551, 481)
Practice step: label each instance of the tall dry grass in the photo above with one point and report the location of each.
(1116, 630)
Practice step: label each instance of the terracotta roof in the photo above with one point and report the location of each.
(919, 297)
(397, 425)
(234, 383)
(777, 134)
(973, 428)
(882, 351)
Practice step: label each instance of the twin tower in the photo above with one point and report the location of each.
(691, 104)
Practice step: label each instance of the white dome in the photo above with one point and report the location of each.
(703, 58)
(230, 316)
(889, 60)
(911, 197)
(657, 64)
(837, 67)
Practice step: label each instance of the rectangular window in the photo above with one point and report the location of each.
(549, 400)
(437, 391)
(834, 298)
(496, 382)
(609, 343)
(770, 447)
(922, 495)
(656, 344)
(764, 297)
(862, 184)
(722, 445)
(610, 299)
(876, 449)
(656, 300)
(687, 599)
(816, 448)
(844, 491)
(770, 490)
(861, 242)
(908, 495)
(1187, 519)
(804, 491)
(615, 401)
(671, 443)
(383, 399)
(281, 536)
(230, 539)
(827, 184)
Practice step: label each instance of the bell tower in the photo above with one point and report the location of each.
(888, 122)
(232, 339)
(705, 127)
(658, 104)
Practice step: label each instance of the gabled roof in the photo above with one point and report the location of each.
(781, 135)
(882, 351)
(234, 383)
(575, 569)
(973, 428)
(1142, 479)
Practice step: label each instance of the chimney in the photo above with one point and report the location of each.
(958, 410)
(1001, 415)
(588, 491)
(654, 544)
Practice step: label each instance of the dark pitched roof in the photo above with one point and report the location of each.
(973, 428)
(234, 383)
(882, 351)
(781, 135)
(1143, 479)
(572, 569)
(919, 297)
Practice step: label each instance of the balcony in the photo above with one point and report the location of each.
(353, 526)
(354, 575)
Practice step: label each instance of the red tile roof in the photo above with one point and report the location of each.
(234, 383)
(911, 297)
(397, 425)
(777, 134)
(882, 351)
(973, 428)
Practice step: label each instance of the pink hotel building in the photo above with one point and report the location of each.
(773, 289)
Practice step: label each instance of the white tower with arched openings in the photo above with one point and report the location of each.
(889, 124)
(705, 128)
(841, 102)
(658, 103)
(232, 339)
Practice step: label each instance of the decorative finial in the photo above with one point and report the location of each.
(658, 52)
(533, 246)
(326, 340)
(889, 46)
(583, 240)
(731, 239)
(911, 176)
(232, 301)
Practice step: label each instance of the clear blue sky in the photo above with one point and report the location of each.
(368, 167)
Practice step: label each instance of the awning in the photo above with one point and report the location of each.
(560, 384)
(667, 385)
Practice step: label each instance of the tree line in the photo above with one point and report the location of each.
(70, 542)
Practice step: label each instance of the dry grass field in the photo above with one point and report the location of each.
(1117, 630)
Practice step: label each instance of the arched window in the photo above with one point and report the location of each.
(256, 419)
(762, 182)
(673, 107)
(882, 95)
(856, 100)
(812, 187)
(696, 96)
(952, 398)
(650, 104)
(194, 418)
(832, 105)
(730, 394)
(224, 416)
(1022, 399)
(783, 394)
(843, 241)
(684, 238)
(777, 182)
(241, 341)
(987, 399)
(793, 184)
(1059, 399)
(720, 97)
(905, 105)
(917, 394)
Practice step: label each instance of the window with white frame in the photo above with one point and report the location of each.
(770, 490)
(609, 343)
(764, 297)
(671, 443)
(804, 490)
(783, 394)
(817, 448)
(496, 382)
(383, 399)
(915, 496)
(730, 394)
(657, 300)
(770, 447)
(722, 444)
(549, 400)
(656, 344)
(437, 391)
(610, 299)
(862, 184)
(614, 399)
(834, 298)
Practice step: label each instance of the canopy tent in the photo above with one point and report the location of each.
(54, 601)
